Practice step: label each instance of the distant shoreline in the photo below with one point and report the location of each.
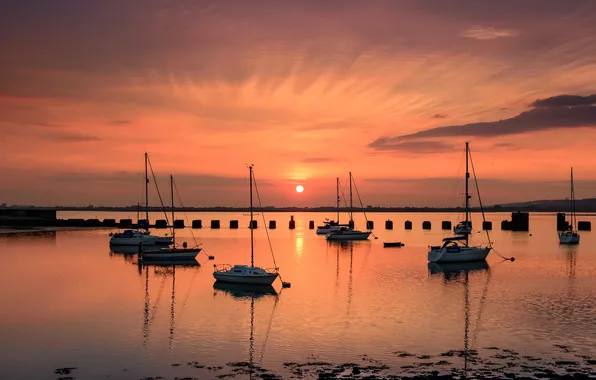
(492, 209)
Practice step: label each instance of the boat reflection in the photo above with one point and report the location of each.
(454, 272)
(163, 269)
(344, 245)
(123, 249)
(250, 292)
(170, 263)
(244, 291)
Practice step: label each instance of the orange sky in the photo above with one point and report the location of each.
(306, 91)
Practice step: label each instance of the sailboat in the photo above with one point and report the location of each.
(173, 252)
(138, 237)
(244, 274)
(331, 225)
(456, 249)
(570, 236)
(348, 233)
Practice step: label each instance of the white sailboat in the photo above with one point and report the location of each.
(570, 236)
(457, 249)
(136, 237)
(331, 225)
(348, 232)
(245, 274)
(173, 252)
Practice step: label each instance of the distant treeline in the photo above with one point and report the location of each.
(582, 205)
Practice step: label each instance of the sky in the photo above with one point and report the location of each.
(307, 91)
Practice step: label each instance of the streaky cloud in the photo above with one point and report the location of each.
(387, 143)
(565, 101)
(567, 111)
(488, 33)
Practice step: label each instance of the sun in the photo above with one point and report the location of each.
(299, 188)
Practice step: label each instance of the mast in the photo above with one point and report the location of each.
(146, 193)
(252, 248)
(351, 219)
(573, 219)
(172, 192)
(337, 193)
(467, 195)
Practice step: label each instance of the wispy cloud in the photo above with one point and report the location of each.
(391, 144)
(70, 136)
(488, 33)
(550, 113)
(315, 160)
(120, 122)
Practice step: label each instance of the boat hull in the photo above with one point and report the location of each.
(324, 230)
(147, 240)
(464, 254)
(264, 279)
(348, 235)
(171, 254)
(569, 238)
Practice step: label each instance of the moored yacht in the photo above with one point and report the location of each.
(247, 274)
(457, 249)
(570, 236)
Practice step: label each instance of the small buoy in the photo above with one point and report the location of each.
(376, 237)
(512, 259)
(211, 258)
(286, 284)
(111, 234)
(530, 234)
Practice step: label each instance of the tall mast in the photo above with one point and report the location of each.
(351, 219)
(252, 249)
(467, 195)
(172, 192)
(573, 221)
(337, 193)
(146, 192)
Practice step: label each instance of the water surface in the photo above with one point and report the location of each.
(67, 300)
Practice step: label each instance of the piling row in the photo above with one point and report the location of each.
(520, 221)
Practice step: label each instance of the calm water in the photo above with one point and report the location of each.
(66, 300)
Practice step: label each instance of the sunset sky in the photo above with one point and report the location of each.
(305, 90)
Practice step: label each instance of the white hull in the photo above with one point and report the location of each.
(231, 278)
(569, 237)
(462, 254)
(348, 235)
(171, 254)
(145, 240)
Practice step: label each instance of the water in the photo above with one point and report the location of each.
(66, 300)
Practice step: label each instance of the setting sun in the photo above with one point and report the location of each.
(299, 188)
